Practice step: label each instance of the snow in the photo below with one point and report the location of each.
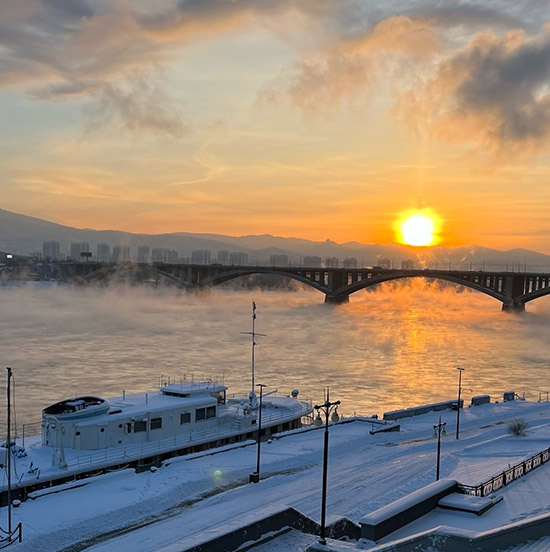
(409, 501)
(464, 502)
(169, 509)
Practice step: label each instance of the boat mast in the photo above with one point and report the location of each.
(253, 334)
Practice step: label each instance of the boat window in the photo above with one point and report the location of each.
(185, 418)
(210, 412)
(128, 428)
(140, 425)
(156, 423)
(200, 414)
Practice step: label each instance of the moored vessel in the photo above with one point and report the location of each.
(85, 435)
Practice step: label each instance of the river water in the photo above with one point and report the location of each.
(394, 347)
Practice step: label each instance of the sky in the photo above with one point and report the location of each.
(315, 119)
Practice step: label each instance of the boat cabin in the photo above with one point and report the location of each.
(92, 423)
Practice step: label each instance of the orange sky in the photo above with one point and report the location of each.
(319, 119)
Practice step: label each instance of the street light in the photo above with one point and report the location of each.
(8, 450)
(255, 477)
(460, 370)
(438, 430)
(330, 412)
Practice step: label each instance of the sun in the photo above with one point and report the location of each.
(418, 228)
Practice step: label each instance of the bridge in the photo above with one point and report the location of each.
(512, 289)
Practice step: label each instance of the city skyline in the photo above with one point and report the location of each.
(319, 120)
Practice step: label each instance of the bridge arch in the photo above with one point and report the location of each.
(535, 294)
(108, 271)
(223, 277)
(366, 283)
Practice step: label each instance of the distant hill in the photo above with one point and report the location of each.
(24, 235)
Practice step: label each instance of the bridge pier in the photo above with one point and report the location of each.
(336, 299)
(513, 307)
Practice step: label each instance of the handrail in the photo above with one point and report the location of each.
(507, 476)
(15, 536)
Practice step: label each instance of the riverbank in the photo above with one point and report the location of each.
(192, 496)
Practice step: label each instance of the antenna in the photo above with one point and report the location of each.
(253, 334)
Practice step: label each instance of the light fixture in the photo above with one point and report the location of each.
(318, 422)
(335, 418)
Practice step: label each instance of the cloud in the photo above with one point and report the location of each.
(495, 92)
(352, 68)
(142, 106)
(95, 50)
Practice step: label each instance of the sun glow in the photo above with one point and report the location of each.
(418, 228)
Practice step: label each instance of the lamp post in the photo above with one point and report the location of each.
(438, 429)
(255, 477)
(460, 370)
(330, 412)
(8, 451)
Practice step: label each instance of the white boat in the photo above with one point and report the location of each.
(85, 435)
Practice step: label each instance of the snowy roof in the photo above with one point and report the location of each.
(193, 388)
(142, 403)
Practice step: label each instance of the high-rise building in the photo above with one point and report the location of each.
(278, 260)
(383, 263)
(332, 262)
(238, 258)
(223, 257)
(51, 251)
(201, 257)
(143, 254)
(407, 264)
(121, 254)
(77, 248)
(163, 255)
(350, 262)
(312, 262)
(156, 254)
(170, 256)
(103, 252)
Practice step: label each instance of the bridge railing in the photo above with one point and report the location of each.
(507, 476)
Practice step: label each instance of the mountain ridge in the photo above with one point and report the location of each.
(24, 235)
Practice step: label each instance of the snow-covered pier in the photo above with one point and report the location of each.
(207, 493)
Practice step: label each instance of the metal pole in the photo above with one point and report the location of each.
(326, 409)
(253, 340)
(253, 334)
(438, 427)
(261, 386)
(324, 493)
(460, 370)
(8, 452)
(438, 452)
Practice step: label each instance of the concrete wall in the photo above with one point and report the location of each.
(446, 539)
(388, 519)
(423, 409)
(269, 522)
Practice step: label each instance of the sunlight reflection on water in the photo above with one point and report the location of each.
(395, 347)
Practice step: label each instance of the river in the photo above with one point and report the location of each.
(394, 347)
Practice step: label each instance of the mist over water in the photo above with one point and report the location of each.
(394, 347)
